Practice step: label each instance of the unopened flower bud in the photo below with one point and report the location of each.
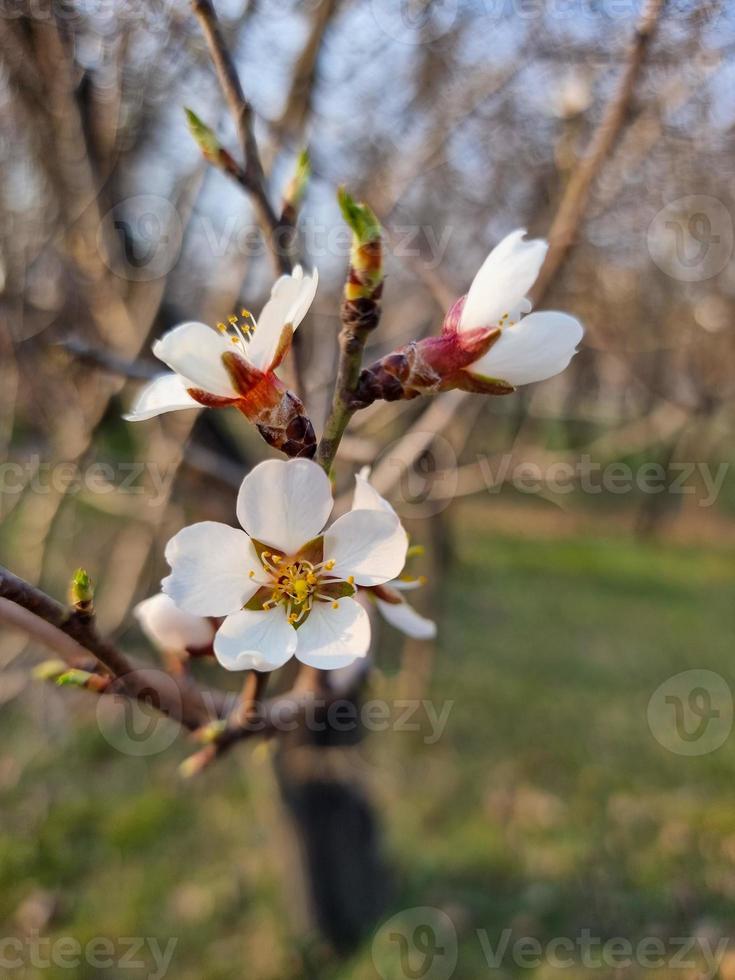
(85, 679)
(365, 279)
(208, 143)
(50, 670)
(170, 629)
(296, 187)
(81, 593)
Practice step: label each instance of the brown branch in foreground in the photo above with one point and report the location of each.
(177, 698)
(208, 713)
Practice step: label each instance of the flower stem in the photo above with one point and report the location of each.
(360, 316)
(351, 343)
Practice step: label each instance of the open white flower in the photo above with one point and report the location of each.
(284, 585)
(388, 599)
(223, 367)
(531, 346)
(170, 629)
(490, 341)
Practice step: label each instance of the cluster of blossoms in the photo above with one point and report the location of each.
(282, 584)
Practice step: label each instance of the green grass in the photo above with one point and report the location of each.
(546, 806)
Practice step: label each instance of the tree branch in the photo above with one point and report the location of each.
(570, 212)
(251, 176)
(178, 698)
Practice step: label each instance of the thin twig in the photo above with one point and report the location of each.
(351, 345)
(252, 176)
(570, 212)
(176, 698)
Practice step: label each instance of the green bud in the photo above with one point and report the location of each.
(211, 732)
(74, 678)
(360, 217)
(81, 591)
(203, 135)
(49, 670)
(297, 185)
(366, 254)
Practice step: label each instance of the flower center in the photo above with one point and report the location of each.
(239, 329)
(296, 584)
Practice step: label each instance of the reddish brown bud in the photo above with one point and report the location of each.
(428, 366)
(278, 413)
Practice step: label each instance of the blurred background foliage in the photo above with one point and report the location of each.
(546, 805)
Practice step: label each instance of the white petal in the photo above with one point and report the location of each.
(366, 496)
(504, 278)
(166, 393)
(285, 503)
(170, 628)
(407, 620)
(369, 544)
(195, 351)
(333, 637)
(289, 302)
(250, 640)
(538, 347)
(210, 566)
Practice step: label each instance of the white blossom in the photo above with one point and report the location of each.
(194, 352)
(388, 599)
(169, 628)
(531, 346)
(285, 586)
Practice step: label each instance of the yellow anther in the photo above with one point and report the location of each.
(350, 579)
(246, 313)
(235, 340)
(330, 564)
(222, 328)
(335, 604)
(233, 320)
(251, 574)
